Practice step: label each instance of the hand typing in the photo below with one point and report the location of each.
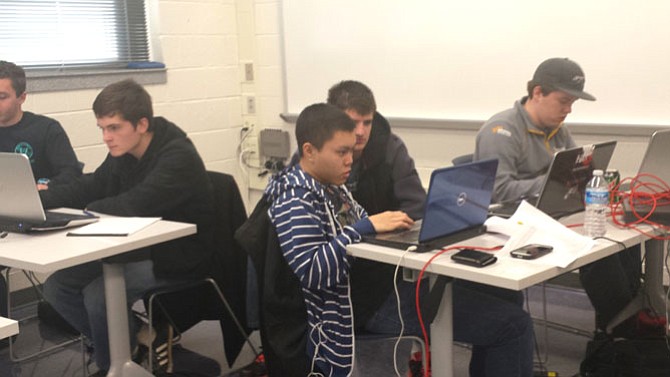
(391, 220)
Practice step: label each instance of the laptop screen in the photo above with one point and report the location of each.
(458, 198)
(21, 209)
(18, 192)
(569, 172)
(655, 160)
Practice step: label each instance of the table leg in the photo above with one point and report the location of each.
(442, 336)
(121, 363)
(652, 295)
(653, 269)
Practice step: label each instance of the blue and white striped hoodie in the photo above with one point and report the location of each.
(314, 245)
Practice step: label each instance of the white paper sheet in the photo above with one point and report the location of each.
(530, 225)
(114, 226)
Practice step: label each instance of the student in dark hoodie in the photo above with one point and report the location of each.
(383, 178)
(153, 170)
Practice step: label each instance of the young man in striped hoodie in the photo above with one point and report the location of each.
(316, 217)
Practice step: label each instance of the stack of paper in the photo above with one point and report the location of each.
(530, 225)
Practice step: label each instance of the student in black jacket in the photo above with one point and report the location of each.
(152, 170)
(383, 178)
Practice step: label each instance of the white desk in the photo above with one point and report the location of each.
(506, 273)
(54, 251)
(8, 327)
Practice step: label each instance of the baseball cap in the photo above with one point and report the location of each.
(562, 74)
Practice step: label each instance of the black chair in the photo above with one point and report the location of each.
(66, 331)
(221, 297)
(464, 159)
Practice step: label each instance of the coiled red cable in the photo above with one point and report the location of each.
(645, 190)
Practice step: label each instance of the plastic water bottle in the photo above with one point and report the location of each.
(597, 199)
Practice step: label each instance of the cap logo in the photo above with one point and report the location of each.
(578, 79)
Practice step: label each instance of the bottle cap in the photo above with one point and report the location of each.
(598, 172)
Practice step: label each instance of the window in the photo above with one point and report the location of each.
(73, 33)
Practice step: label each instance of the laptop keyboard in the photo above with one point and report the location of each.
(408, 235)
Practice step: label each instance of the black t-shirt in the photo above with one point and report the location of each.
(45, 143)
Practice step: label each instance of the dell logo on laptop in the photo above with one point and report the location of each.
(462, 198)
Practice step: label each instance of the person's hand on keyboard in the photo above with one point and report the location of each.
(391, 220)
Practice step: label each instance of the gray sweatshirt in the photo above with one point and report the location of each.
(524, 151)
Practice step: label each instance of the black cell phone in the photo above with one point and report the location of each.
(474, 258)
(532, 251)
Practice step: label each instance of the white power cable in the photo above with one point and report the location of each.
(397, 298)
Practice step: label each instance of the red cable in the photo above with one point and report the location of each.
(645, 190)
(418, 302)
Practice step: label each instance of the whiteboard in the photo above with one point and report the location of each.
(466, 60)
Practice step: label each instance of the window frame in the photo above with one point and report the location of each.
(39, 80)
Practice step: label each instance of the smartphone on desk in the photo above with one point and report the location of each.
(474, 258)
(532, 251)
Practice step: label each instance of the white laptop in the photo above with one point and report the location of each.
(655, 162)
(20, 205)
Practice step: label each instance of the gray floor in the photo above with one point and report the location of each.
(201, 349)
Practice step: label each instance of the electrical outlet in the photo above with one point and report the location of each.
(250, 104)
(250, 146)
(248, 72)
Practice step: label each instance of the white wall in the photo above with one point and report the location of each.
(451, 59)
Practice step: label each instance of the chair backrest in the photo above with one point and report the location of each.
(230, 214)
(232, 260)
(283, 314)
(464, 159)
(188, 306)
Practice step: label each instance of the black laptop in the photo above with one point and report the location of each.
(20, 205)
(570, 170)
(456, 208)
(655, 162)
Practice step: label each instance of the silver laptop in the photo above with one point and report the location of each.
(570, 170)
(20, 205)
(456, 208)
(655, 162)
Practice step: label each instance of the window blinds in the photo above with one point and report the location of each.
(73, 33)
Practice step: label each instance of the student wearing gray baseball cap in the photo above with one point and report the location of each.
(524, 139)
